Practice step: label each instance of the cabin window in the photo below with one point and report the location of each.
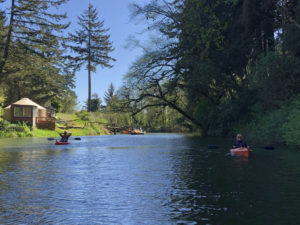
(22, 111)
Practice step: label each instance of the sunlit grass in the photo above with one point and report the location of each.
(45, 133)
(86, 129)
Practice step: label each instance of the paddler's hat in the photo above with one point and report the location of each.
(239, 136)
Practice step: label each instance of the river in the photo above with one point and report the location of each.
(150, 179)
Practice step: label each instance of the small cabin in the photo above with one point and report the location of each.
(25, 110)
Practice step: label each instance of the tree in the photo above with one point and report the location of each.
(152, 82)
(32, 62)
(292, 29)
(34, 29)
(2, 31)
(91, 44)
(219, 62)
(95, 102)
(69, 102)
(109, 94)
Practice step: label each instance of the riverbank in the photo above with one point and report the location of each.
(77, 124)
(277, 127)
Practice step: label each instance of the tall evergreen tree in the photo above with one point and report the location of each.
(91, 44)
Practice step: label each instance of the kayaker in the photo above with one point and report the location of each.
(64, 136)
(239, 142)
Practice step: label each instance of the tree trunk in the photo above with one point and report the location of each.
(89, 69)
(89, 88)
(284, 20)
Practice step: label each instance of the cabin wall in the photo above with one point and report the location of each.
(42, 113)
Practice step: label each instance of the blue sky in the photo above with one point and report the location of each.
(116, 16)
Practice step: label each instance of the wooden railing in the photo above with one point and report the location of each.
(45, 123)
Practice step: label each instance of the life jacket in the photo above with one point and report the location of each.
(239, 144)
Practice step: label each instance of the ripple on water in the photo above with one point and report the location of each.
(150, 179)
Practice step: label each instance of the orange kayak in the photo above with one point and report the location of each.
(245, 152)
(126, 132)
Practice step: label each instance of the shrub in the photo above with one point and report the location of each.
(8, 129)
(83, 115)
(291, 131)
(274, 126)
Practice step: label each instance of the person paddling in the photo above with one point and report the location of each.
(64, 136)
(239, 142)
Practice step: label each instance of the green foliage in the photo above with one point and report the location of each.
(292, 27)
(2, 100)
(97, 117)
(291, 131)
(32, 62)
(221, 66)
(95, 103)
(279, 125)
(83, 115)
(33, 27)
(265, 128)
(56, 105)
(68, 102)
(109, 94)
(14, 130)
(274, 78)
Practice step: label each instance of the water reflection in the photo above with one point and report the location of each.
(151, 179)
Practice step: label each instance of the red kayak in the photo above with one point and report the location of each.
(245, 152)
(61, 143)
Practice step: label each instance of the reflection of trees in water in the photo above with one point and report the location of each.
(195, 195)
(210, 186)
(8, 159)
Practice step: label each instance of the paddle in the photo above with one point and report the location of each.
(76, 138)
(267, 147)
(212, 147)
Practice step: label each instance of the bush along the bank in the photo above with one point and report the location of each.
(277, 126)
(291, 131)
(8, 129)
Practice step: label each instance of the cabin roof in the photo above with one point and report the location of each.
(26, 101)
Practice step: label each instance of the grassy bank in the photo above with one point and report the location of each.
(80, 124)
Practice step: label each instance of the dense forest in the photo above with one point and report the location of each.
(224, 66)
(214, 67)
(33, 62)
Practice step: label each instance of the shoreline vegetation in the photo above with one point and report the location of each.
(70, 122)
(277, 127)
(83, 123)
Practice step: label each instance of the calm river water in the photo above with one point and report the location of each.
(150, 179)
